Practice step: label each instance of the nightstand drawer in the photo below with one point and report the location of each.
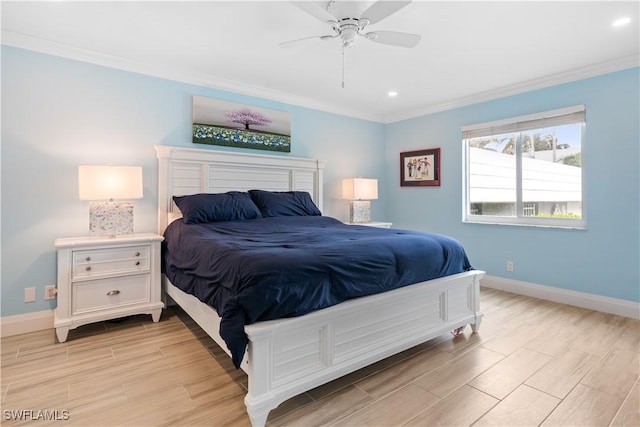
(91, 263)
(103, 294)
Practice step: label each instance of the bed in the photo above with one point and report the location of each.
(284, 357)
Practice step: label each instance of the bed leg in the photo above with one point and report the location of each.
(258, 410)
(258, 417)
(476, 326)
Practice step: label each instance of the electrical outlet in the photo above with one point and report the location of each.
(510, 266)
(50, 292)
(29, 294)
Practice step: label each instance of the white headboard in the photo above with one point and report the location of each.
(183, 171)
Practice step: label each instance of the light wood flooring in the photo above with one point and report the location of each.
(532, 363)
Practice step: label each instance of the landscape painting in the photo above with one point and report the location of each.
(219, 122)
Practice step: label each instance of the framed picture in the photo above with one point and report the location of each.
(420, 168)
(219, 122)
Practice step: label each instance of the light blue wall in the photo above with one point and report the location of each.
(59, 113)
(602, 260)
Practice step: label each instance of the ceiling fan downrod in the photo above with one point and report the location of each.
(342, 55)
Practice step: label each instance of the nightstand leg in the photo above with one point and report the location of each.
(155, 315)
(62, 333)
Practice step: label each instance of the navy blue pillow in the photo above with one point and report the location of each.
(284, 203)
(212, 207)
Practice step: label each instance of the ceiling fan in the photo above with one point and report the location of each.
(346, 27)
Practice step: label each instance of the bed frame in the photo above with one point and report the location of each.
(287, 357)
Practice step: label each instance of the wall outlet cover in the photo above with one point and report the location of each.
(29, 294)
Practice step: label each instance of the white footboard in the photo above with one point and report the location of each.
(289, 356)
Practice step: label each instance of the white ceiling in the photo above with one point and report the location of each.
(469, 52)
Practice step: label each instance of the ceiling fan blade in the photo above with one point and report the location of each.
(381, 9)
(394, 38)
(317, 9)
(293, 42)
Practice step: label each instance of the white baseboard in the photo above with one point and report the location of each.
(579, 299)
(41, 320)
(24, 323)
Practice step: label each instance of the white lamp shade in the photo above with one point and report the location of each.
(109, 182)
(360, 189)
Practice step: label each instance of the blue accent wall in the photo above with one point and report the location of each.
(604, 259)
(59, 113)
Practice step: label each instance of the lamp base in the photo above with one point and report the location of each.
(360, 211)
(110, 218)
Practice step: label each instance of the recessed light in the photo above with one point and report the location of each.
(621, 22)
(392, 93)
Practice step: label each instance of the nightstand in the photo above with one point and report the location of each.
(373, 224)
(101, 278)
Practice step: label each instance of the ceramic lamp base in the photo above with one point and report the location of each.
(110, 218)
(360, 211)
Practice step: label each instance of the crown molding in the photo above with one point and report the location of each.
(518, 88)
(71, 52)
(49, 47)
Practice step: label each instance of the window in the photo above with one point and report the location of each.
(526, 170)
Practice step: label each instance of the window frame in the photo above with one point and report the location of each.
(522, 124)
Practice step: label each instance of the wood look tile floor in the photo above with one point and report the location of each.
(533, 362)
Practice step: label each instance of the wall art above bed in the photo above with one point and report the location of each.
(218, 122)
(420, 168)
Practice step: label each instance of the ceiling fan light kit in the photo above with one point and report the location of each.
(348, 28)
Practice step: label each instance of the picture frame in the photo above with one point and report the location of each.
(220, 122)
(420, 168)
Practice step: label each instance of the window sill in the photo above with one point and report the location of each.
(561, 224)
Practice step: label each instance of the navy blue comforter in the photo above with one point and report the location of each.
(269, 268)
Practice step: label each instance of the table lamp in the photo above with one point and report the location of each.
(360, 191)
(102, 185)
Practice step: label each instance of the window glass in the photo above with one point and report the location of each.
(492, 187)
(531, 175)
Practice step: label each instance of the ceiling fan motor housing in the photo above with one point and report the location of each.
(348, 29)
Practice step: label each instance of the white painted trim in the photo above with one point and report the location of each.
(41, 320)
(523, 87)
(25, 323)
(601, 303)
(49, 47)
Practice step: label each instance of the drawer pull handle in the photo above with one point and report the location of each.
(88, 258)
(137, 253)
(137, 262)
(88, 268)
(112, 293)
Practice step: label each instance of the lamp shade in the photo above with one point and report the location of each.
(360, 189)
(109, 182)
